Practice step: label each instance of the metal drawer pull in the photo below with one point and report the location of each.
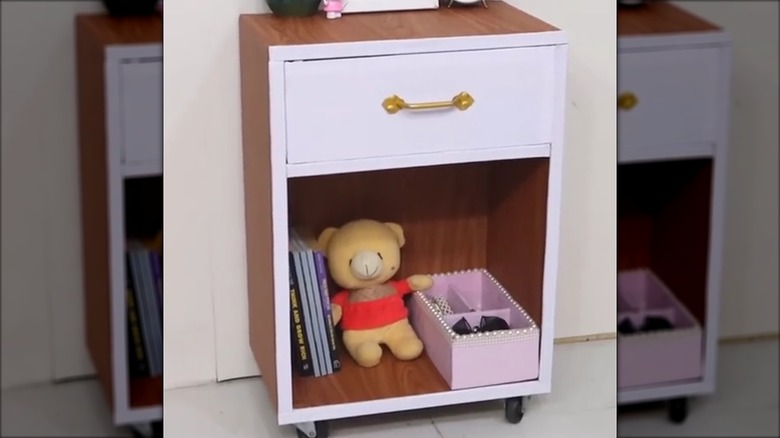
(461, 101)
(627, 101)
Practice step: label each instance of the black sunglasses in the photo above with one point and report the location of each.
(486, 324)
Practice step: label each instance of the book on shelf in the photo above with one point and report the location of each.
(312, 333)
(143, 278)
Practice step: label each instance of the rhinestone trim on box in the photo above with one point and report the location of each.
(479, 339)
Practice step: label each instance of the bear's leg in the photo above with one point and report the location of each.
(363, 346)
(402, 341)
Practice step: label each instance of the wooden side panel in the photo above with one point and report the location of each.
(659, 17)
(681, 243)
(94, 201)
(516, 233)
(441, 208)
(257, 200)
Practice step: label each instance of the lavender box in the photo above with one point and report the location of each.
(648, 358)
(481, 359)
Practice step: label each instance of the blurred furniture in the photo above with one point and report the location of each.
(119, 63)
(673, 117)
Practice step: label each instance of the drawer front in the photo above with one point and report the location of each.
(667, 99)
(141, 113)
(335, 111)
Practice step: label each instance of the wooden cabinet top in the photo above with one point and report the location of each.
(110, 30)
(659, 17)
(497, 19)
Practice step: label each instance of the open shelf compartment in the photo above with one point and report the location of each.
(663, 258)
(455, 217)
(143, 219)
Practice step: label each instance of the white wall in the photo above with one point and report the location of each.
(205, 261)
(750, 277)
(41, 266)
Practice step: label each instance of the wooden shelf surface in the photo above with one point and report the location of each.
(659, 17)
(107, 30)
(391, 378)
(146, 392)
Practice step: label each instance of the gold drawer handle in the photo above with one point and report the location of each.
(461, 101)
(627, 101)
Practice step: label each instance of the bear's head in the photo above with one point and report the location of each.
(362, 253)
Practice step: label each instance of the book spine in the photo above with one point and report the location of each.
(322, 277)
(300, 351)
(307, 316)
(323, 350)
(137, 359)
(155, 322)
(157, 275)
(134, 269)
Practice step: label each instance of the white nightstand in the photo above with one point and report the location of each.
(673, 99)
(473, 186)
(119, 65)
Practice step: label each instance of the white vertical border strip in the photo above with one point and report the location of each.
(554, 191)
(116, 241)
(281, 282)
(717, 220)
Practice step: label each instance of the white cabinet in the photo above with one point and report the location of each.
(673, 117)
(473, 183)
(119, 81)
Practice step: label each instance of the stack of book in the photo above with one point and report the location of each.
(311, 324)
(144, 310)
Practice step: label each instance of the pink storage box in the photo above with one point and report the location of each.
(473, 360)
(655, 357)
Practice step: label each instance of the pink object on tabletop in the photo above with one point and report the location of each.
(333, 8)
(468, 361)
(664, 356)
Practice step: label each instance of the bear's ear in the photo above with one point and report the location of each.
(324, 239)
(398, 231)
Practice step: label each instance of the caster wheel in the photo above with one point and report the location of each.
(514, 410)
(320, 430)
(678, 410)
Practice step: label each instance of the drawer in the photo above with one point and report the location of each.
(141, 116)
(335, 108)
(667, 100)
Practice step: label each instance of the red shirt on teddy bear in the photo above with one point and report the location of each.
(367, 315)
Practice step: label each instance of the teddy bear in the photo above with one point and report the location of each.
(363, 257)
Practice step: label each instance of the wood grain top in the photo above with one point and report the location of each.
(499, 18)
(126, 30)
(659, 17)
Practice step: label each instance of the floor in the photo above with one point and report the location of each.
(746, 404)
(584, 395)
